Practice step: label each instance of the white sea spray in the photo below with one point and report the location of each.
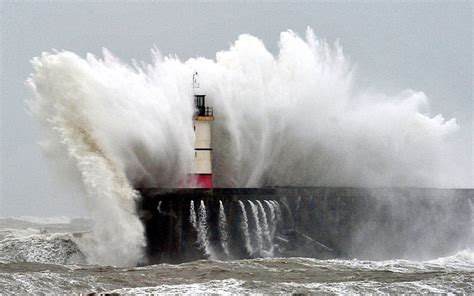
(295, 118)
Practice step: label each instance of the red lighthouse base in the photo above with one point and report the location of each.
(203, 181)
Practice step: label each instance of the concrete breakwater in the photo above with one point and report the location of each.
(321, 222)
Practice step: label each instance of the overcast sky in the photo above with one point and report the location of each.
(423, 46)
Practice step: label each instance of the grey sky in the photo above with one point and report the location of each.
(422, 46)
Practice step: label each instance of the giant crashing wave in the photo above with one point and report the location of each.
(292, 119)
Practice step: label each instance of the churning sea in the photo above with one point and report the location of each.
(40, 255)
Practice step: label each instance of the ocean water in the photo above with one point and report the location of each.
(43, 255)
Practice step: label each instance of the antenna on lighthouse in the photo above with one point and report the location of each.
(195, 81)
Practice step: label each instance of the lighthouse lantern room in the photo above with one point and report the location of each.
(201, 176)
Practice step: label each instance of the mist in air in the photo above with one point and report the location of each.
(292, 119)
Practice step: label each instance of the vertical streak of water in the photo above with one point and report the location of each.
(223, 229)
(258, 229)
(159, 206)
(192, 216)
(272, 221)
(265, 229)
(203, 230)
(278, 212)
(245, 228)
(290, 215)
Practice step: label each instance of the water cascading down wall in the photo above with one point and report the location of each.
(320, 222)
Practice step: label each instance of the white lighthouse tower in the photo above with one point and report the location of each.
(201, 176)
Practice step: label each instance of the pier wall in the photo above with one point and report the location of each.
(319, 222)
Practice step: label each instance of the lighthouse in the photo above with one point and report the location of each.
(201, 176)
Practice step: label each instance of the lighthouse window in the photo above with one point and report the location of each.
(199, 101)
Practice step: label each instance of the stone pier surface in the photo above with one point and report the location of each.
(318, 222)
